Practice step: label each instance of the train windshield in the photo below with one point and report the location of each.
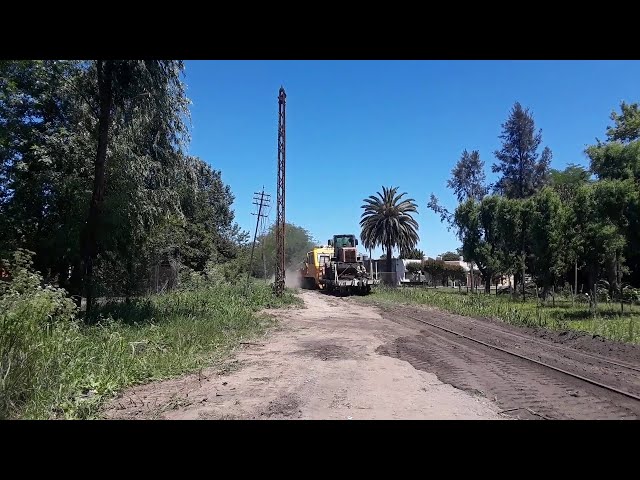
(345, 241)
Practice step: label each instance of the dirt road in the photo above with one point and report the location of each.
(321, 363)
(338, 358)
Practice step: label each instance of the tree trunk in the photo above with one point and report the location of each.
(389, 265)
(130, 278)
(90, 250)
(591, 286)
(75, 282)
(575, 287)
(487, 284)
(523, 282)
(612, 276)
(545, 293)
(618, 277)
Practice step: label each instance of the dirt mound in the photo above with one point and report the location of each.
(325, 351)
(285, 406)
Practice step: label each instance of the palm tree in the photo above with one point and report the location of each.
(387, 222)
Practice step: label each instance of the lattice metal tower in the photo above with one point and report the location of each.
(280, 222)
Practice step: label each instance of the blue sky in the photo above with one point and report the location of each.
(353, 126)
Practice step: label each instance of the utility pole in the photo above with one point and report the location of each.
(280, 221)
(260, 199)
(264, 262)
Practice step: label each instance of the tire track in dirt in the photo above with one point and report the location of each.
(524, 389)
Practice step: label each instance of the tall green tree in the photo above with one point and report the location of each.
(387, 221)
(468, 179)
(600, 239)
(298, 242)
(209, 219)
(468, 182)
(617, 203)
(146, 99)
(150, 201)
(524, 171)
(477, 228)
(44, 169)
(200, 231)
(511, 225)
(615, 160)
(626, 127)
(547, 237)
(618, 160)
(565, 182)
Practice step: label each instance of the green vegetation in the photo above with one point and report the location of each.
(607, 322)
(449, 256)
(413, 254)
(387, 221)
(53, 365)
(441, 273)
(550, 228)
(298, 242)
(122, 261)
(96, 181)
(101, 208)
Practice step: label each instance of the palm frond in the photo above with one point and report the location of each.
(386, 220)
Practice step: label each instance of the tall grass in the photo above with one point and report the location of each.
(608, 322)
(54, 366)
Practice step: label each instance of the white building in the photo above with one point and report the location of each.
(403, 275)
(502, 281)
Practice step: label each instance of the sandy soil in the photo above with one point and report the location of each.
(504, 368)
(322, 362)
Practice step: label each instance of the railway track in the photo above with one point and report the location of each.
(561, 348)
(528, 338)
(566, 372)
(568, 383)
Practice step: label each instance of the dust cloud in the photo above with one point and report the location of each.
(291, 279)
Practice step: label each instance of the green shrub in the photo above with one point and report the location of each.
(52, 365)
(608, 321)
(35, 323)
